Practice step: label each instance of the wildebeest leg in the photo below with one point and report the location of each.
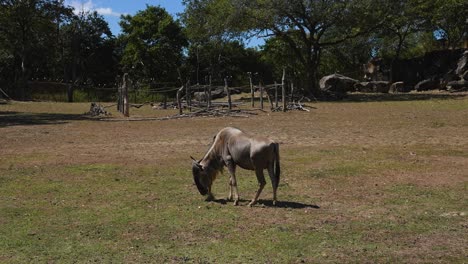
(274, 182)
(210, 196)
(232, 180)
(261, 184)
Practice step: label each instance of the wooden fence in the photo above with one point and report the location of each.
(184, 95)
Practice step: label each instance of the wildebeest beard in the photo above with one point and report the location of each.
(205, 175)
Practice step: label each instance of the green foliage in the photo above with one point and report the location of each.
(91, 53)
(153, 44)
(220, 59)
(450, 21)
(29, 34)
(305, 27)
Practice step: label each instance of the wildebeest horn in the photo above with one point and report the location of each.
(195, 162)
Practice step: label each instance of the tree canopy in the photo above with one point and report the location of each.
(153, 44)
(46, 39)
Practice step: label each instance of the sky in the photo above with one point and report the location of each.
(112, 9)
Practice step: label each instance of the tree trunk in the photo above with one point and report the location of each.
(313, 63)
(283, 89)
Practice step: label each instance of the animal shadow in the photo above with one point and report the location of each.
(288, 204)
(269, 203)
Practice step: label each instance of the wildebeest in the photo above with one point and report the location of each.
(231, 148)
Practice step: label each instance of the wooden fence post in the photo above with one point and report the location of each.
(283, 89)
(252, 92)
(291, 98)
(126, 103)
(179, 100)
(270, 100)
(119, 94)
(208, 103)
(226, 89)
(276, 95)
(261, 94)
(188, 96)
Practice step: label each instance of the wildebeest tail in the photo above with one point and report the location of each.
(277, 165)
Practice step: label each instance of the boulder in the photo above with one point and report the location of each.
(372, 87)
(200, 96)
(397, 87)
(464, 76)
(462, 65)
(381, 86)
(364, 87)
(337, 85)
(457, 85)
(427, 85)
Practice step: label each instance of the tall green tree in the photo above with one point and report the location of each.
(29, 39)
(450, 20)
(405, 18)
(89, 53)
(307, 27)
(153, 44)
(219, 59)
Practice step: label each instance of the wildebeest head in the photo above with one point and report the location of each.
(200, 177)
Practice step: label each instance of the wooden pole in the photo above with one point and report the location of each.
(283, 89)
(269, 100)
(119, 95)
(226, 89)
(291, 98)
(126, 103)
(252, 97)
(276, 95)
(188, 97)
(261, 94)
(165, 101)
(208, 104)
(4, 94)
(179, 103)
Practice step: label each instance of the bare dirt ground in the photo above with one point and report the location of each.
(374, 178)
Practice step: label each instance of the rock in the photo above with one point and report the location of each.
(427, 85)
(200, 96)
(462, 65)
(457, 85)
(364, 87)
(337, 85)
(380, 86)
(464, 76)
(397, 87)
(373, 87)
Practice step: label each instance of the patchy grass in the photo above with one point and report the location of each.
(361, 182)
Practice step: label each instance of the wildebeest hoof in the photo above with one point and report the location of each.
(236, 202)
(209, 198)
(252, 203)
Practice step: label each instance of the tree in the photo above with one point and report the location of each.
(306, 27)
(27, 38)
(89, 57)
(450, 21)
(221, 59)
(153, 44)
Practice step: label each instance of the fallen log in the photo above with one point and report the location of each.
(198, 113)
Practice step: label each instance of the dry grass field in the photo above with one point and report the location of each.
(376, 178)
